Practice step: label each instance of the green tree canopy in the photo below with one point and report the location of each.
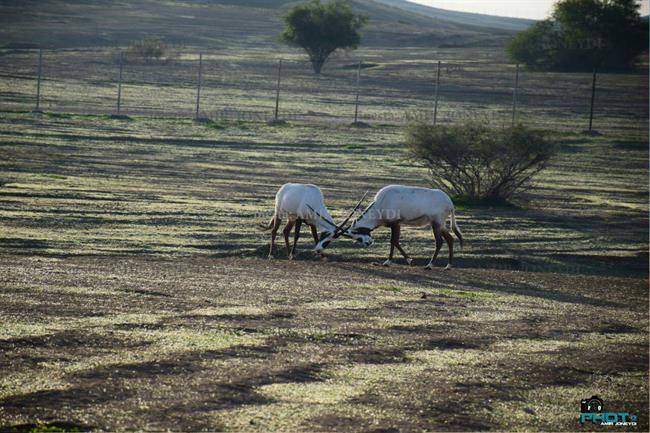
(583, 34)
(320, 29)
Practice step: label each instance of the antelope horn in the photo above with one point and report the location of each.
(323, 218)
(364, 211)
(340, 227)
(368, 208)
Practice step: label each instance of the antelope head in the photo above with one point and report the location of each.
(341, 230)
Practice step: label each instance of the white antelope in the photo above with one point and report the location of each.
(397, 205)
(303, 203)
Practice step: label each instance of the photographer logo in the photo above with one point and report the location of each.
(591, 409)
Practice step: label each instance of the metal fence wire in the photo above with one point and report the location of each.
(373, 90)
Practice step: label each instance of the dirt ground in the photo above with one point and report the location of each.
(249, 344)
(135, 293)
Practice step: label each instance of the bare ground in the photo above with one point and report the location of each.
(249, 344)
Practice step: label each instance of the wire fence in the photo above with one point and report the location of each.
(375, 90)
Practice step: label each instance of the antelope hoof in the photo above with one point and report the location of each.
(387, 263)
(291, 257)
(409, 261)
(270, 257)
(429, 266)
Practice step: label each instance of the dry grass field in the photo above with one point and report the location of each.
(135, 291)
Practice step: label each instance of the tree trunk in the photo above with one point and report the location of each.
(318, 60)
(317, 64)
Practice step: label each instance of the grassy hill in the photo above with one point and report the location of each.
(464, 18)
(81, 23)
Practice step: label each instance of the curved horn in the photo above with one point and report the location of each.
(340, 228)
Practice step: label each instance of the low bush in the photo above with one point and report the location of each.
(150, 50)
(479, 164)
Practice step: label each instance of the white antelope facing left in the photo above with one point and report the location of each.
(397, 205)
(303, 203)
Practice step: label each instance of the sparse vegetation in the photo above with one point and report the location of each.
(122, 239)
(148, 50)
(479, 163)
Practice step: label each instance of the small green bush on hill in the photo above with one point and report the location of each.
(150, 50)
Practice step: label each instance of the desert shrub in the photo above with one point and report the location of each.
(477, 163)
(149, 50)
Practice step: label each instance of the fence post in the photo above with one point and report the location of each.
(356, 102)
(119, 83)
(198, 87)
(514, 95)
(435, 104)
(38, 80)
(593, 97)
(277, 93)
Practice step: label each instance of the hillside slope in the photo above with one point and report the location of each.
(212, 23)
(464, 18)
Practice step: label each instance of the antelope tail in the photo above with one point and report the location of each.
(455, 228)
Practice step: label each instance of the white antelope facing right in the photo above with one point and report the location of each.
(397, 205)
(303, 203)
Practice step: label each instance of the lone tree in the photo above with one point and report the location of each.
(582, 35)
(320, 29)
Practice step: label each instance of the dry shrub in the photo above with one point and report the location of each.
(477, 163)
